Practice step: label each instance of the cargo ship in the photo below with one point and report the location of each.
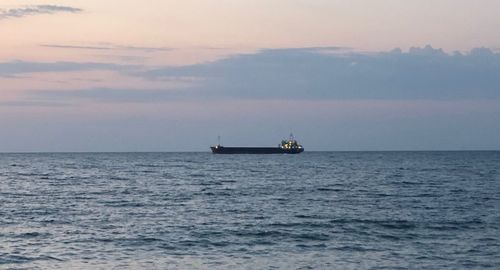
(290, 146)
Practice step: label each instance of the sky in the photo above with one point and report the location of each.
(161, 75)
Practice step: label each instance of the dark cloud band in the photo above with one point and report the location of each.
(315, 73)
(299, 74)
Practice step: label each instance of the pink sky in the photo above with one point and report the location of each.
(131, 36)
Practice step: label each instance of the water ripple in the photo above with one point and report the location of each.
(370, 210)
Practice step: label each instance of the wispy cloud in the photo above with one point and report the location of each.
(35, 10)
(14, 68)
(75, 47)
(109, 95)
(108, 47)
(31, 103)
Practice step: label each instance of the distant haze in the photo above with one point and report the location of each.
(173, 75)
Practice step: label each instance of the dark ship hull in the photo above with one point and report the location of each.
(255, 150)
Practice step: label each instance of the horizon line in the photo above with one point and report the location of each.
(208, 152)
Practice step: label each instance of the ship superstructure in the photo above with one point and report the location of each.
(290, 146)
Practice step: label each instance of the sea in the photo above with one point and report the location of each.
(315, 210)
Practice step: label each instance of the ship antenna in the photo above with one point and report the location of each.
(291, 136)
(218, 139)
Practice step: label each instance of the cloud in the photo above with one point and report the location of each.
(107, 95)
(75, 47)
(108, 47)
(14, 68)
(293, 74)
(35, 10)
(310, 73)
(31, 103)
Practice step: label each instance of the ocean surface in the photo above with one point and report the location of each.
(316, 210)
